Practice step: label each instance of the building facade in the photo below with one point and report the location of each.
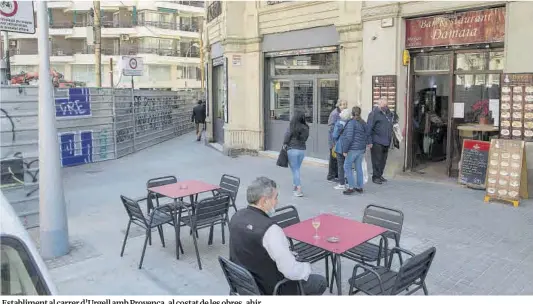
(435, 62)
(164, 33)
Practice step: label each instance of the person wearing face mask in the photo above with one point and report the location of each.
(258, 244)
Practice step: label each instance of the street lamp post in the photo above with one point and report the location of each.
(52, 209)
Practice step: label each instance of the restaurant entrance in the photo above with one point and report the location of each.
(454, 87)
(455, 96)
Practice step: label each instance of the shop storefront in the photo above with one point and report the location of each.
(301, 80)
(454, 85)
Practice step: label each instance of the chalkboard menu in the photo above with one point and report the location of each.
(516, 107)
(507, 175)
(474, 163)
(384, 87)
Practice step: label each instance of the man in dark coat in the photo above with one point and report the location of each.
(198, 117)
(380, 127)
(333, 172)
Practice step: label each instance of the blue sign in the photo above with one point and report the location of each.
(77, 104)
(76, 148)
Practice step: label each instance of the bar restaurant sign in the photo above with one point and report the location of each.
(472, 27)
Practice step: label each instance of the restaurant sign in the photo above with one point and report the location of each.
(472, 27)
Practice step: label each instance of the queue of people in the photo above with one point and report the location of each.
(350, 136)
(258, 243)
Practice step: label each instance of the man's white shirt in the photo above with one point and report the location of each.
(276, 244)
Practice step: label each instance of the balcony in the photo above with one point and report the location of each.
(131, 51)
(170, 26)
(61, 25)
(30, 56)
(189, 3)
(188, 7)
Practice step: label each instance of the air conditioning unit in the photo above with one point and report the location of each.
(13, 43)
(124, 37)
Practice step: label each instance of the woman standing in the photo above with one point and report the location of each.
(338, 130)
(294, 141)
(355, 139)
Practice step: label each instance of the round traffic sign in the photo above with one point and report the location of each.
(8, 8)
(133, 63)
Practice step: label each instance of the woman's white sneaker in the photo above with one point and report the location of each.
(340, 187)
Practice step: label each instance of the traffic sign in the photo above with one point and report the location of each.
(132, 66)
(17, 16)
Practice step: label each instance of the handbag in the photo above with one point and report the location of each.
(283, 158)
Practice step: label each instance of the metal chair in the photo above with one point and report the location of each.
(242, 283)
(207, 213)
(288, 216)
(381, 280)
(388, 218)
(230, 184)
(157, 218)
(156, 182)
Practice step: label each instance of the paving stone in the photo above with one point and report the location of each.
(481, 248)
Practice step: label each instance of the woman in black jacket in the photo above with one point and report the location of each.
(295, 139)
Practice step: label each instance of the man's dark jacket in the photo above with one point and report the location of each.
(247, 229)
(198, 114)
(380, 126)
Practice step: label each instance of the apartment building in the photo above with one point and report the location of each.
(164, 33)
(267, 59)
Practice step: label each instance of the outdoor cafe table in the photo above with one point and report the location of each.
(350, 233)
(177, 191)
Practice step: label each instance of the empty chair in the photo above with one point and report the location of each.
(230, 184)
(242, 283)
(288, 216)
(156, 182)
(207, 213)
(156, 218)
(381, 280)
(390, 219)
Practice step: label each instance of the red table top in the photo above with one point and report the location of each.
(350, 233)
(184, 188)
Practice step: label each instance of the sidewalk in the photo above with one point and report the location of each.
(481, 248)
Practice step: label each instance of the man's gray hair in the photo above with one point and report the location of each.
(260, 187)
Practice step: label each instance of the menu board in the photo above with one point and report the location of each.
(516, 108)
(384, 87)
(474, 163)
(507, 175)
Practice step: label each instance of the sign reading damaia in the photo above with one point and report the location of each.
(481, 26)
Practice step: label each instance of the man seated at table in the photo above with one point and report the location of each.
(258, 244)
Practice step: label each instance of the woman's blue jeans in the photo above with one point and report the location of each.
(296, 157)
(354, 157)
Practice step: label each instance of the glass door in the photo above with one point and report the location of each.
(304, 101)
(279, 109)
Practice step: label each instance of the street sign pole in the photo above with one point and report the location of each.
(52, 208)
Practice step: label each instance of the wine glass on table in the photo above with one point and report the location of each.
(316, 223)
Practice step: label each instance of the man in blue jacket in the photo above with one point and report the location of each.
(380, 128)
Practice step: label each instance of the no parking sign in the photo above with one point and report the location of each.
(17, 16)
(132, 66)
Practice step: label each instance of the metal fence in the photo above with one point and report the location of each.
(94, 124)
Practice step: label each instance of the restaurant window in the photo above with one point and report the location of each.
(432, 63)
(477, 84)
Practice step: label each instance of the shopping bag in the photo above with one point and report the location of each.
(333, 153)
(365, 171)
(283, 158)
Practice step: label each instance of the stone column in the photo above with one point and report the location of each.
(242, 46)
(351, 67)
